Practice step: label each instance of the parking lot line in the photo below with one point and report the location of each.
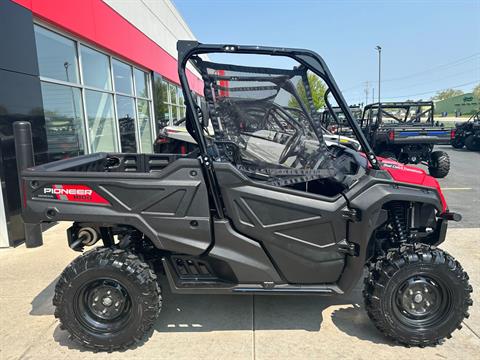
(456, 189)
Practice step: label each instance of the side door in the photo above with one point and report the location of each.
(303, 233)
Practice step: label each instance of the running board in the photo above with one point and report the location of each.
(290, 289)
(204, 286)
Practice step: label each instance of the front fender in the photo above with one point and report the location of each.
(368, 200)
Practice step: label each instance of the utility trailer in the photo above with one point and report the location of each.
(221, 220)
(407, 132)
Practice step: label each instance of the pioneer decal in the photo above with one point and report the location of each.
(62, 191)
(70, 192)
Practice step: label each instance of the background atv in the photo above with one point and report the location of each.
(336, 123)
(406, 131)
(274, 119)
(468, 134)
(307, 219)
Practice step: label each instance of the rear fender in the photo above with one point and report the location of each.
(169, 206)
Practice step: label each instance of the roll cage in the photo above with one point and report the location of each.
(215, 80)
(374, 114)
(309, 59)
(329, 119)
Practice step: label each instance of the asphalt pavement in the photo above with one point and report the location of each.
(461, 186)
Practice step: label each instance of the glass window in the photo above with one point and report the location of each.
(57, 56)
(100, 121)
(174, 113)
(173, 93)
(144, 122)
(110, 88)
(126, 124)
(141, 83)
(160, 96)
(164, 90)
(63, 121)
(181, 101)
(95, 69)
(122, 77)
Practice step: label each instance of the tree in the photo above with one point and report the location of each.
(318, 88)
(476, 91)
(446, 94)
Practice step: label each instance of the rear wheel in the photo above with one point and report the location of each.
(107, 299)
(472, 143)
(417, 295)
(439, 164)
(457, 142)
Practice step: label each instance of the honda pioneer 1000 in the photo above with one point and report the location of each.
(292, 216)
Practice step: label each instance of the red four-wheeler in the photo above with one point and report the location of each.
(289, 216)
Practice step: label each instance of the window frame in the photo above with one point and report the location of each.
(173, 105)
(83, 87)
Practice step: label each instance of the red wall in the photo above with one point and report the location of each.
(96, 22)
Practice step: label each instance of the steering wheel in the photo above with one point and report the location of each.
(290, 148)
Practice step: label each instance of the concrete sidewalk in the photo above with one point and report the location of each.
(219, 327)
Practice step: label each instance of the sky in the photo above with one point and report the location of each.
(427, 45)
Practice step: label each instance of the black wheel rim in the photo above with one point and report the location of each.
(421, 301)
(103, 305)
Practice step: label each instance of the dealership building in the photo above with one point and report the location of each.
(465, 104)
(90, 76)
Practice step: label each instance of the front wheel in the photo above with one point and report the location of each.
(417, 295)
(107, 299)
(439, 164)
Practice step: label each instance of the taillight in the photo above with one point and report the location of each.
(391, 135)
(452, 134)
(162, 140)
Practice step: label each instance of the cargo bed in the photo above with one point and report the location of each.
(158, 194)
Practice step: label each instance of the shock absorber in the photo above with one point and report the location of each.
(398, 212)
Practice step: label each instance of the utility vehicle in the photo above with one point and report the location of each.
(274, 120)
(468, 134)
(407, 132)
(224, 220)
(336, 122)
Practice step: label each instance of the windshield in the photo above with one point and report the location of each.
(263, 111)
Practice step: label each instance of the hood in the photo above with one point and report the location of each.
(411, 175)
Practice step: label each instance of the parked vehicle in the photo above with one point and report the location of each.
(224, 220)
(279, 121)
(468, 134)
(341, 126)
(406, 131)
